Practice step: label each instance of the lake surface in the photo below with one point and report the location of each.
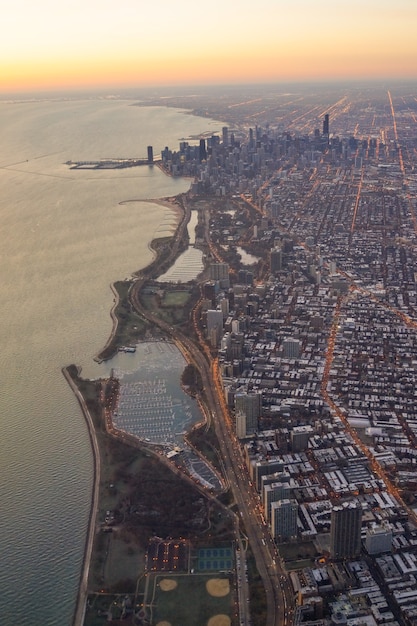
(64, 238)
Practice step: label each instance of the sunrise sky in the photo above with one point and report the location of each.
(46, 44)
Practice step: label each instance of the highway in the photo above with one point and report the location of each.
(278, 590)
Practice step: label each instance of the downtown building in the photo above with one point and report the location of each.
(248, 407)
(345, 530)
(284, 515)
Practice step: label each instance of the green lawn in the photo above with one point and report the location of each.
(175, 298)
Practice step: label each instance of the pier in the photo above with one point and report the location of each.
(108, 164)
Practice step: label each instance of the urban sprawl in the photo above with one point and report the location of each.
(316, 342)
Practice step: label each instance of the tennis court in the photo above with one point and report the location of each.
(214, 559)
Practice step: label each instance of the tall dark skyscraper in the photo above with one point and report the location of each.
(345, 530)
(225, 136)
(326, 124)
(150, 154)
(251, 139)
(202, 150)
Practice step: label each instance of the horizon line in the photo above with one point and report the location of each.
(112, 90)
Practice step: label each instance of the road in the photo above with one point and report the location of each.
(278, 590)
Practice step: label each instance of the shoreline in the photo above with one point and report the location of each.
(169, 202)
(80, 605)
(79, 612)
(115, 323)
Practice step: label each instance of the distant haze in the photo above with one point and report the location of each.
(96, 44)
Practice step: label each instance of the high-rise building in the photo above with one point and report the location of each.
(265, 467)
(291, 348)
(236, 345)
(150, 154)
(300, 436)
(274, 493)
(214, 326)
(250, 405)
(220, 272)
(240, 425)
(202, 153)
(276, 260)
(326, 124)
(251, 139)
(284, 515)
(379, 539)
(345, 530)
(209, 292)
(245, 277)
(225, 136)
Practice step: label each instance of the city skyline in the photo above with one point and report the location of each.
(101, 45)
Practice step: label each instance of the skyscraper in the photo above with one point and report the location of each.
(274, 493)
(225, 136)
(250, 404)
(326, 124)
(220, 272)
(214, 326)
(276, 259)
(284, 519)
(345, 530)
(202, 150)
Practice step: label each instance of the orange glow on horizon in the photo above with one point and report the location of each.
(101, 46)
(288, 67)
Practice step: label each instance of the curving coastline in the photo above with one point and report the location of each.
(176, 205)
(182, 213)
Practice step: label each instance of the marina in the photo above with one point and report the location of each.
(190, 263)
(186, 268)
(153, 407)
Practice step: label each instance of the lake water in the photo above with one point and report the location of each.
(65, 236)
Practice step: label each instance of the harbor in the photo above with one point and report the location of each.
(152, 406)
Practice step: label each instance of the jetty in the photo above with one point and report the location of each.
(108, 164)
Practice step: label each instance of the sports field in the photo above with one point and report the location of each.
(192, 600)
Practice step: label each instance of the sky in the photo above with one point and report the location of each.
(75, 44)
